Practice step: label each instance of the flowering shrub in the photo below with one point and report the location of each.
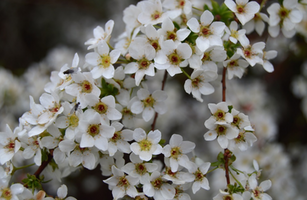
(105, 111)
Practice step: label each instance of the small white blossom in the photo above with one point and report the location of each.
(244, 10)
(101, 34)
(146, 145)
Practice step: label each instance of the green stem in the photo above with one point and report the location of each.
(23, 167)
(235, 179)
(197, 9)
(211, 170)
(185, 73)
(236, 170)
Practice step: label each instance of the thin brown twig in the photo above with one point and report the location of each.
(156, 114)
(44, 164)
(226, 157)
(224, 84)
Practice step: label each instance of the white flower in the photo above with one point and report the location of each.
(252, 54)
(151, 12)
(70, 120)
(143, 54)
(178, 177)
(209, 32)
(44, 114)
(83, 88)
(128, 116)
(258, 191)
(146, 145)
(119, 141)
(235, 66)
(208, 60)
(199, 170)
(103, 61)
(9, 144)
(245, 139)
(85, 156)
(149, 103)
(131, 16)
(244, 10)
(101, 34)
(137, 168)
(169, 32)
(106, 108)
(223, 133)
(59, 80)
(12, 192)
(158, 188)
(52, 142)
(267, 55)
(285, 17)
(176, 152)
(95, 132)
(220, 114)
(33, 148)
(62, 193)
(225, 195)
(198, 84)
(235, 34)
(257, 23)
(122, 184)
(172, 57)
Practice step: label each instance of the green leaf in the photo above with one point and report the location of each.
(230, 107)
(220, 157)
(32, 182)
(107, 89)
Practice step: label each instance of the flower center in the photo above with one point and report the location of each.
(73, 120)
(123, 182)
(181, 3)
(140, 168)
(227, 197)
(248, 52)
(236, 120)
(175, 152)
(86, 87)
(220, 130)
(195, 82)
(6, 193)
(11, 146)
(219, 115)
(101, 107)
(144, 64)
(149, 101)
(93, 129)
(171, 35)
(205, 31)
(174, 58)
(199, 176)
(145, 145)
(155, 44)
(105, 61)
(283, 13)
(240, 9)
(156, 15)
(240, 138)
(157, 183)
(232, 64)
(117, 136)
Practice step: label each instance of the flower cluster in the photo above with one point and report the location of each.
(96, 113)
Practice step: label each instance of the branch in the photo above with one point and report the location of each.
(44, 164)
(227, 155)
(224, 84)
(156, 114)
